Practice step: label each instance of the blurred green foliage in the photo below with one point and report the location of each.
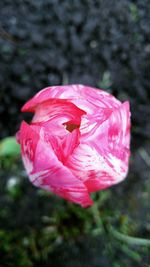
(106, 81)
(9, 147)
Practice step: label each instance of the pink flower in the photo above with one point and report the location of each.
(77, 143)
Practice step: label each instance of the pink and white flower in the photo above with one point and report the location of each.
(78, 141)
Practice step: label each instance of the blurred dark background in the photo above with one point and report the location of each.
(104, 44)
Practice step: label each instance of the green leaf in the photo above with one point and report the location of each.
(106, 81)
(9, 147)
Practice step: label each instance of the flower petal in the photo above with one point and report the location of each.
(112, 137)
(101, 159)
(58, 108)
(90, 167)
(60, 122)
(63, 143)
(46, 171)
(84, 97)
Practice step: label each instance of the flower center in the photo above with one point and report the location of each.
(71, 126)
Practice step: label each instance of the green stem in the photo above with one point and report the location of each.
(129, 239)
(97, 219)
